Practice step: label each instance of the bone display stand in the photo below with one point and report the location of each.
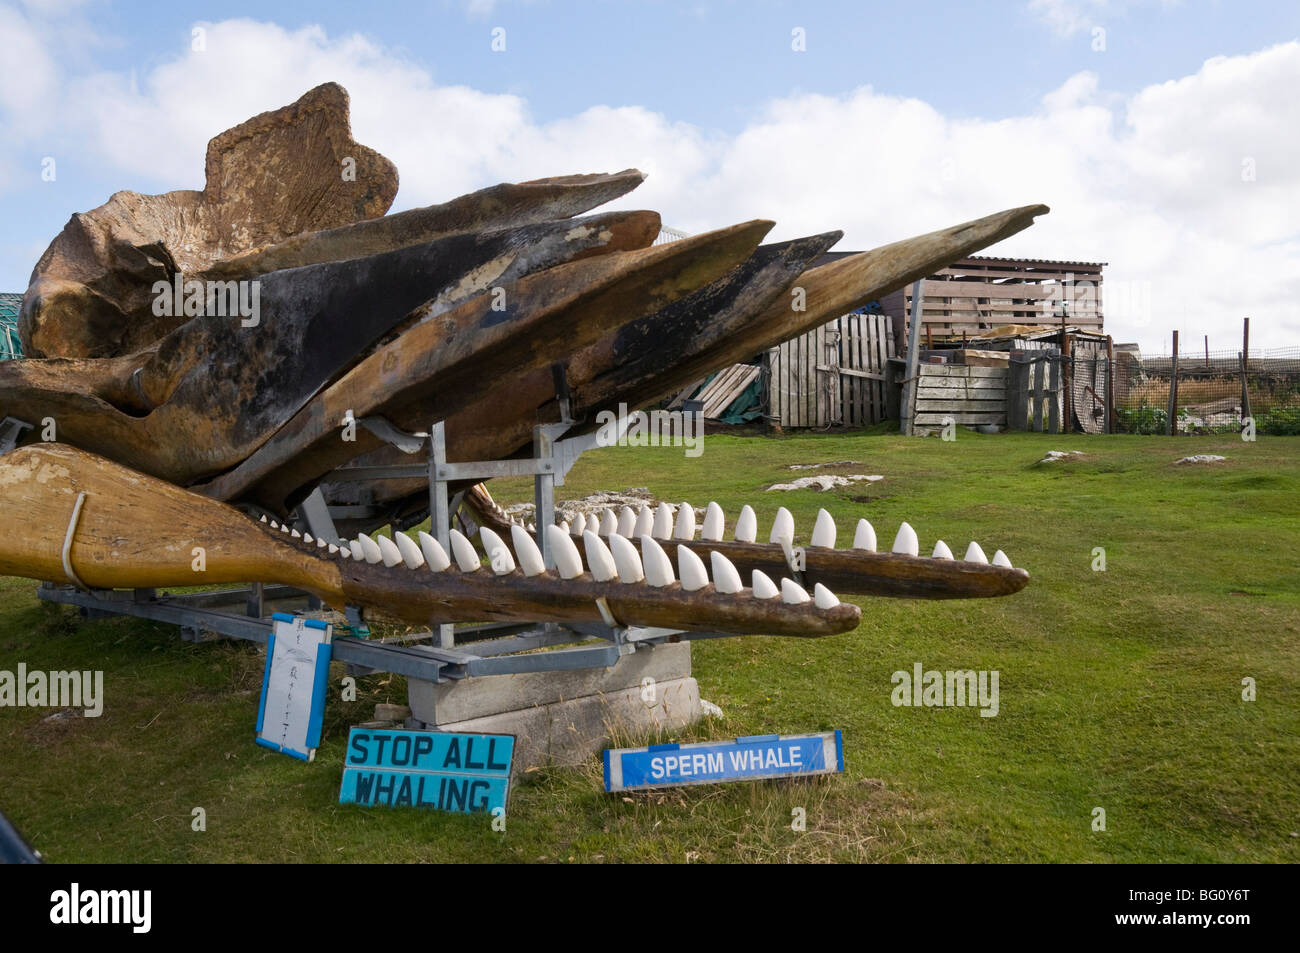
(596, 681)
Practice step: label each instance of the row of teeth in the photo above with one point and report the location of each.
(618, 561)
(665, 523)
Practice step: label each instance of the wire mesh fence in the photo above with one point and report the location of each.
(1209, 392)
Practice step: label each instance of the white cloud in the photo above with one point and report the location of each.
(1152, 184)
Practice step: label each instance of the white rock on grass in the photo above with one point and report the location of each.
(824, 483)
(1054, 455)
(1201, 458)
(709, 710)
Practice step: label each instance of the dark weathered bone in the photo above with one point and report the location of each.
(444, 364)
(272, 177)
(213, 391)
(79, 518)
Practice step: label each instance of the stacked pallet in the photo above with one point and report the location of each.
(721, 392)
(968, 395)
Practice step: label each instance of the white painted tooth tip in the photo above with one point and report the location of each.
(370, 550)
(714, 524)
(627, 561)
(690, 567)
(332, 549)
(284, 528)
(662, 527)
(764, 588)
(608, 523)
(354, 547)
(974, 554)
(388, 551)
(823, 598)
(645, 523)
(782, 526)
(274, 524)
(568, 562)
(725, 577)
(463, 551)
(864, 537)
(746, 525)
(306, 537)
(906, 543)
(320, 544)
(410, 552)
(684, 528)
(263, 519)
(626, 521)
(532, 527)
(530, 556)
(793, 594)
(941, 551)
(435, 557)
(823, 533)
(564, 525)
(1000, 559)
(497, 552)
(599, 559)
(578, 525)
(295, 534)
(658, 567)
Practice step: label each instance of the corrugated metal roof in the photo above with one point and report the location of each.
(9, 345)
(1035, 261)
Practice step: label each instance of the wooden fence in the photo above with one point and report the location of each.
(833, 375)
(1035, 390)
(968, 396)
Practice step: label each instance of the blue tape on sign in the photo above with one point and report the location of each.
(316, 623)
(266, 681)
(281, 617)
(746, 758)
(442, 770)
(319, 687)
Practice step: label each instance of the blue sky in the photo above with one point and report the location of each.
(897, 118)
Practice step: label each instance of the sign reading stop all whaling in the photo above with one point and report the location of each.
(709, 762)
(441, 770)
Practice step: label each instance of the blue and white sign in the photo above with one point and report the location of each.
(445, 771)
(293, 685)
(708, 762)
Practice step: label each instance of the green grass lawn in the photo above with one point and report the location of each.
(1119, 689)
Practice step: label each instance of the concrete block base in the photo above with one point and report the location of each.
(564, 718)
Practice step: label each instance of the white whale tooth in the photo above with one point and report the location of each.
(530, 557)
(865, 537)
(568, 562)
(578, 525)
(274, 525)
(411, 554)
(370, 550)
(306, 537)
(435, 557)
(608, 523)
(599, 558)
(658, 567)
(263, 519)
(906, 543)
(793, 594)
(626, 559)
(388, 551)
(685, 528)
(332, 549)
(284, 528)
(941, 551)
(295, 534)
(823, 598)
(662, 528)
(564, 525)
(645, 521)
(498, 555)
(782, 526)
(463, 550)
(725, 577)
(823, 533)
(764, 588)
(691, 569)
(974, 554)
(1000, 559)
(715, 524)
(320, 544)
(746, 525)
(532, 527)
(626, 521)
(354, 547)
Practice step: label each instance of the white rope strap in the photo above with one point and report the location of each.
(67, 542)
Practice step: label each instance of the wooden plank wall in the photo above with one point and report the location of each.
(833, 375)
(969, 395)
